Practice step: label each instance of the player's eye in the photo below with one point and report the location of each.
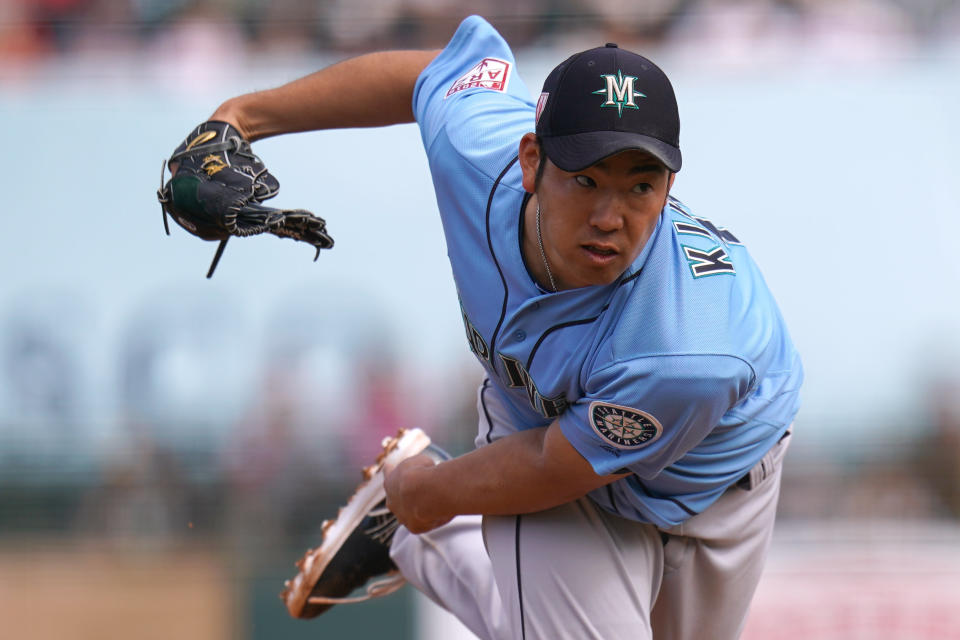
(585, 181)
(643, 187)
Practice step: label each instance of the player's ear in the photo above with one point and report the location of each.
(670, 177)
(529, 161)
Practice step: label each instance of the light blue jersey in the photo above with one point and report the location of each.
(681, 371)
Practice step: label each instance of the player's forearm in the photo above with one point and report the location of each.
(525, 472)
(371, 90)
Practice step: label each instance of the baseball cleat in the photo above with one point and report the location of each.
(356, 544)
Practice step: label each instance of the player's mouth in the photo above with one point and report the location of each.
(600, 254)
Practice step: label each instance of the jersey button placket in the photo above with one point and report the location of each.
(520, 335)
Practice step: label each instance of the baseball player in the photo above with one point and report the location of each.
(640, 382)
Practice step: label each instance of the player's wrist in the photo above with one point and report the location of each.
(232, 113)
(425, 488)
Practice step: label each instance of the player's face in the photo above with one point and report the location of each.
(595, 222)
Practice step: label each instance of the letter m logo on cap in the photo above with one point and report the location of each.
(619, 92)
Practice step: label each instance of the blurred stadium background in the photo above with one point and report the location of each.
(170, 445)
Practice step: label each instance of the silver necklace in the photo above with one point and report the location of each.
(543, 254)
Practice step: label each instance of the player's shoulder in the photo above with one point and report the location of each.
(694, 230)
(470, 102)
(475, 34)
(476, 67)
(697, 317)
(698, 292)
(708, 261)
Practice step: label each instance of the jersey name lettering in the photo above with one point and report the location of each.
(517, 376)
(706, 229)
(708, 263)
(477, 344)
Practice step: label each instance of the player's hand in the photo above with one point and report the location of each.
(405, 500)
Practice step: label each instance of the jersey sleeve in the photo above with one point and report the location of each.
(643, 414)
(472, 93)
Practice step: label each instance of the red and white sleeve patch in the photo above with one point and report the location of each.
(492, 74)
(541, 103)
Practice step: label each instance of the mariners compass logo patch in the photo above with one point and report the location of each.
(624, 427)
(620, 92)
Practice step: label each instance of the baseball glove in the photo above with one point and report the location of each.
(216, 189)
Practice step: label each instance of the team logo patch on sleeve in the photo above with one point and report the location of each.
(490, 73)
(624, 427)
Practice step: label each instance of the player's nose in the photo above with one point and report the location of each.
(607, 214)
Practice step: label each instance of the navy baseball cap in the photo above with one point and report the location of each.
(606, 100)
